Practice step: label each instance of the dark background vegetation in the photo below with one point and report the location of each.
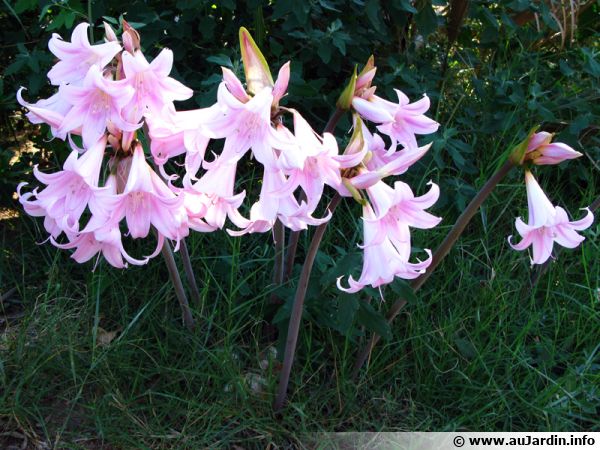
(480, 349)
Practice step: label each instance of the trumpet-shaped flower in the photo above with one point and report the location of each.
(153, 87)
(95, 103)
(67, 192)
(102, 236)
(278, 202)
(318, 164)
(401, 121)
(77, 56)
(385, 257)
(398, 209)
(396, 164)
(542, 151)
(50, 111)
(547, 224)
(215, 190)
(105, 240)
(175, 133)
(246, 125)
(146, 200)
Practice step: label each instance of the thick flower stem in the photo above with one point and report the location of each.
(296, 317)
(278, 266)
(290, 255)
(438, 256)
(189, 271)
(167, 253)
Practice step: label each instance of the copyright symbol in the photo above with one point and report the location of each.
(459, 441)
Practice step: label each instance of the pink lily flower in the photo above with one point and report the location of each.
(175, 133)
(376, 146)
(278, 202)
(153, 87)
(385, 257)
(196, 205)
(402, 121)
(541, 151)
(398, 208)
(547, 224)
(319, 163)
(105, 240)
(215, 190)
(67, 192)
(146, 200)
(102, 236)
(397, 164)
(246, 125)
(77, 56)
(97, 102)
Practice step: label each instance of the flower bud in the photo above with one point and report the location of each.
(344, 102)
(541, 151)
(109, 33)
(517, 154)
(365, 78)
(131, 38)
(256, 69)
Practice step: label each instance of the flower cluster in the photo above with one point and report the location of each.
(107, 92)
(108, 188)
(389, 212)
(104, 93)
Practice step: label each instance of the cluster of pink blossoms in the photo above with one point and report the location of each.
(389, 212)
(104, 92)
(107, 92)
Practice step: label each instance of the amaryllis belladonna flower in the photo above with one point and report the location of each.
(400, 121)
(547, 224)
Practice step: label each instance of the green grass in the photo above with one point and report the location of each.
(482, 350)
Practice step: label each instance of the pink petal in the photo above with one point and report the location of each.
(234, 85)
(371, 111)
(281, 85)
(163, 63)
(584, 223)
(541, 211)
(556, 153)
(542, 245)
(538, 139)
